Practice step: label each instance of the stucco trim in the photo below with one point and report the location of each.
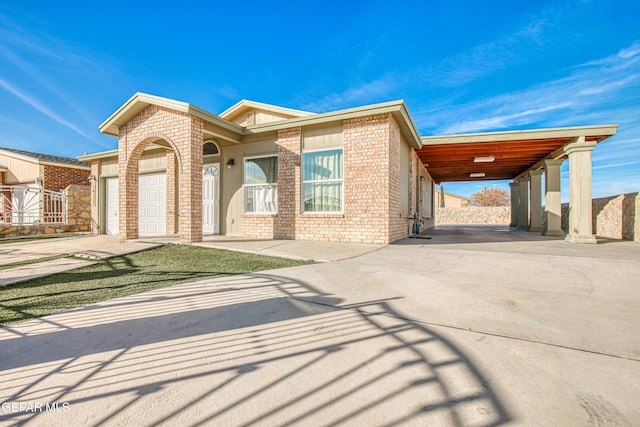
(396, 108)
(247, 104)
(140, 101)
(98, 156)
(512, 135)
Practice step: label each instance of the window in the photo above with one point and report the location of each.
(210, 149)
(322, 180)
(261, 185)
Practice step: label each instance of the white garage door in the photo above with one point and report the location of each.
(152, 204)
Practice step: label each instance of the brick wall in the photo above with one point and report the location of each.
(371, 168)
(184, 133)
(260, 226)
(289, 150)
(56, 178)
(172, 208)
(398, 224)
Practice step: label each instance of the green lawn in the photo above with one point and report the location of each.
(126, 275)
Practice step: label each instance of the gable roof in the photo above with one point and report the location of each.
(140, 101)
(398, 109)
(246, 104)
(43, 158)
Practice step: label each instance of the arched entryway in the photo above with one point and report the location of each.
(177, 187)
(152, 185)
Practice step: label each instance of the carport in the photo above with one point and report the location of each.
(523, 156)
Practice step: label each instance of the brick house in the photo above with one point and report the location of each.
(26, 178)
(258, 170)
(18, 167)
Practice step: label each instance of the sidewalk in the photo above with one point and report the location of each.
(292, 249)
(88, 247)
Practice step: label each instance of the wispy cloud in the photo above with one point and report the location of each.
(45, 72)
(483, 59)
(38, 105)
(40, 78)
(501, 122)
(452, 71)
(357, 95)
(606, 90)
(599, 89)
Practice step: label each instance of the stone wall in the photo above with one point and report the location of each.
(78, 208)
(615, 217)
(473, 215)
(78, 213)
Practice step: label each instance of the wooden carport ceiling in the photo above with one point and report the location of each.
(451, 158)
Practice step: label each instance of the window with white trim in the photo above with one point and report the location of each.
(261, 184)
(322, 180)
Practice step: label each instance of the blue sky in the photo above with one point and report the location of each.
(461, 66)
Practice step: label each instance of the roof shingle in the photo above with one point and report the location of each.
(48, 157)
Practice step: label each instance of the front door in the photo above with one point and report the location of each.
(111, 199)
(210, 199)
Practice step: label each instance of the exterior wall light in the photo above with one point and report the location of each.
(91, 177)
(476, 175)
(230, 162)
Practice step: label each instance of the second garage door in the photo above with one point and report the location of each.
(152, 204)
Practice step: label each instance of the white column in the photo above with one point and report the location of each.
(515, 203)
(535, 221)
(552, 198)
(523, 210)
(580, 215)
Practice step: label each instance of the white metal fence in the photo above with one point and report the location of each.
(30, 205)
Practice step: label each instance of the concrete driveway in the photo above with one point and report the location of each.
(478, 326)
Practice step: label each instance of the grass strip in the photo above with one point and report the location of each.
(126, 275)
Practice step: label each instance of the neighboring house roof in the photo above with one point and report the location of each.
(457, 196)
(44, 158)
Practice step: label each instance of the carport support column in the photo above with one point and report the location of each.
(552, 198)
(515, 203)
(580, 212)
(535, 223)
(523, 206)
